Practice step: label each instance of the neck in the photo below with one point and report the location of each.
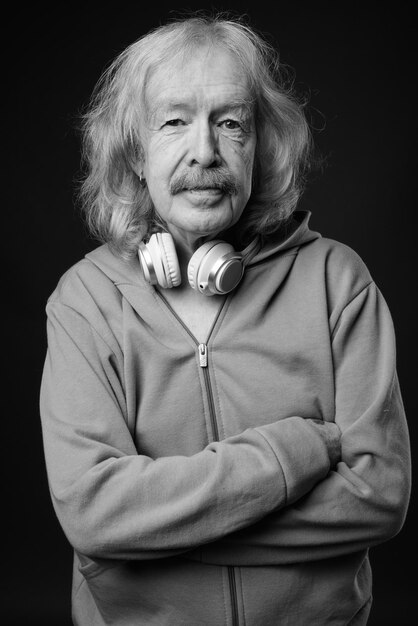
(186, 245)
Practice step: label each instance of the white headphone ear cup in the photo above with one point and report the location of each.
(156, 253)
(204, 261)
(195, 261)
(169, 259)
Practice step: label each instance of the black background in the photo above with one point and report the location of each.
(356, 62)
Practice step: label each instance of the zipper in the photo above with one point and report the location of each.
(233, 592)
(203, 362)
(203, 354)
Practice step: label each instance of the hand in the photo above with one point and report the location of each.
(331, 436)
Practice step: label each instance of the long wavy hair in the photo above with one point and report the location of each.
(117, 207)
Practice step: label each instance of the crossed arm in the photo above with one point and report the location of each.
(294, 501)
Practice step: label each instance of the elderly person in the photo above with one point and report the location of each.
(223, 427)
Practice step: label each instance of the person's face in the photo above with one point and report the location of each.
(199, 144)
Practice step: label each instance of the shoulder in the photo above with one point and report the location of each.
(81, 284)
(335, 269)
(340, 264)
(88, 291)
(95, 277)
(79, 278)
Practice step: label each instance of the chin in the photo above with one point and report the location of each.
(212, 220)
(212, 229)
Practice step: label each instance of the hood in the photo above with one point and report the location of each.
(293, 235)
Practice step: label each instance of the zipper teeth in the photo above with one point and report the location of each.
(180, 321)
(212, 413)
(233, 591)
(215, 432)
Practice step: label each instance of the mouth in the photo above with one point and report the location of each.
(203, 197)
(211, 182)
(205, 190)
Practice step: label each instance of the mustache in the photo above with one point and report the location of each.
(218, 178)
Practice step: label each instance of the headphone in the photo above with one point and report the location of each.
(215, 267)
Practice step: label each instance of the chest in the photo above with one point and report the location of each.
(268, 357)
(198, 313)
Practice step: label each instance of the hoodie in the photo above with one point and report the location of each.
(200, 491)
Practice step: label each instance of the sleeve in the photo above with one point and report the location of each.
(115, 503)
(363, 501)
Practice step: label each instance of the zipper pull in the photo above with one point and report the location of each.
(203, 355)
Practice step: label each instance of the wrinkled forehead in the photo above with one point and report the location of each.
(204, 71)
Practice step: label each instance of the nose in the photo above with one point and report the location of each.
(203, 148)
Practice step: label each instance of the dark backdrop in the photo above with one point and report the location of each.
(355, 61)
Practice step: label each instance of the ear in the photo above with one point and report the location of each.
(138, 167)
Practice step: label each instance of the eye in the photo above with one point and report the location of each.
(231, 124)
(175, 122)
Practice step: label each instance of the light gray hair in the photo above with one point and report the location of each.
(117, 208)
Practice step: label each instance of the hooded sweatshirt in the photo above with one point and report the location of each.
(190, 478)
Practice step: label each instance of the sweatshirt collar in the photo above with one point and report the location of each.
(293, 234)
